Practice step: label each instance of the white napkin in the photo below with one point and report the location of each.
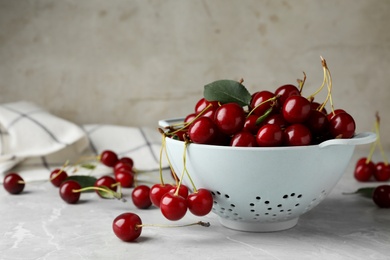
(33, 142)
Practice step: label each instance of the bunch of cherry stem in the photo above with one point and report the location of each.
(377, 142)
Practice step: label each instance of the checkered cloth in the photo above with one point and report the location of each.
(33, 142)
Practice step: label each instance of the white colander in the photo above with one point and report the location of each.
(263, 189)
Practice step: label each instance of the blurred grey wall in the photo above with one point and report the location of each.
(133, 62)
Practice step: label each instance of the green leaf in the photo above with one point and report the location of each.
(227, 91)
(83, 180)
(105, 192)
(365, 192)
(260, 119)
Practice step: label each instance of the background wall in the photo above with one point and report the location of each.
(133, 62)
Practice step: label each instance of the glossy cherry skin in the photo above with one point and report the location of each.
(123, 165)
(69, 191)
(203, 130)
(125, 178)
(317, 122)
(106, 181)
(203, 103)
(189, 118)
(127, 226)
(269, 135)
(364, 170)
(342, 125)
(285, 92)
(13, 183)
(297, 135)
(140, 197)
(316, 106)
(200, 203)
(382, 171)
(229, 118)
(183, 190)
(58, 176)
(381, 196)
(108, 158)
(276, 119)
(257, 99)
(173, 207)
(296, 109)
(157, 191)
(243, 139)
(250, 124)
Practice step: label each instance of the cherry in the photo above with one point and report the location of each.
(342, 125)
(124, 177)
(286, 91)
(106, 181)
(157, 191)
(335, 112)
(203, 130)
(173, 206)
(296, 109)
(317, 122)
(183, 190)
(189, 118)
(269, 135)
(69, 191)
(127, 160)
(108, 158)
(381, 196)
(229, 118)
(276, 119)
(13, 183)
(316, 106)
(364, 170)
(203, 103)
(297, 135)
(58, 176)
(243, 139)
(258, 98)
(200, 202)
(123, 165)
(127, 226)
(382, 172)
(140, 197)
(250, 124)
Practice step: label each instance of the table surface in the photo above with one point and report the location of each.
(37, 224)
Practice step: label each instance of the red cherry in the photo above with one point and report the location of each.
(250, 124)
(203, 103)
(200, 203)
(122, 165)
(296, 109)
(173, 207)
(335, 112)
(69, 191)
(316, 106)
(243, 139)
(297, 135)
(183, 190)
(203, 130)
(58, 176)
(364, 170)
(140, 197)
(317, 122)
(108, 158)
(157, 191)
(13, 183)
(269, 135)
(286, 91)
(127, 226)
(381, 196)
(125, 178)
(276, 119)
(106, 181)
(342, 125)
(189, 117)
(229, 118)
(127, 160)
(382, 172)
(257, 99)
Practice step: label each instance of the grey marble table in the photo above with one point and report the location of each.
(39, 225)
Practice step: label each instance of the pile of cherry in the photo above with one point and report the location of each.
(229, 115)
(366, 170)
(173, 200)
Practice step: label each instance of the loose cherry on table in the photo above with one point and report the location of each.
(128, 226)
(140, 197)
(364, 169)
(13, 183)
(173, 206)
(381, 196)
(109, 158)
(58, 176)
(157, 191)
(200, 202)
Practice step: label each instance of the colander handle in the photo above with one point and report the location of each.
(361, 138)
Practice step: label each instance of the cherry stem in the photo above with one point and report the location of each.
(378, 138)
(328, 81)
(161, 153)
(199, 223)
(301, 82)
(117, 195)
(60, 171)
(186, 143)
(262, 103)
